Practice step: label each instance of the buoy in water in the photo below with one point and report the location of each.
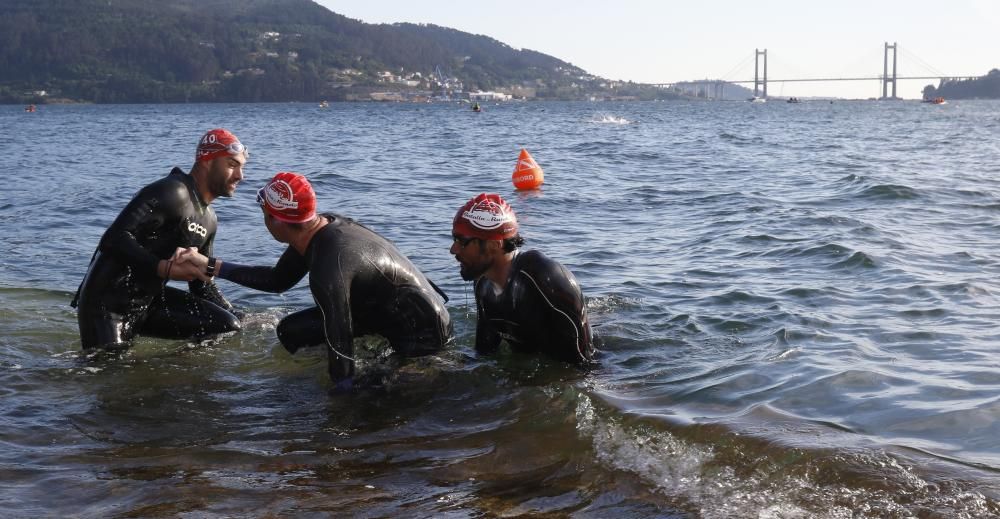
(527, 173)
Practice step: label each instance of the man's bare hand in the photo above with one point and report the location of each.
(188, 271)
(187, 264)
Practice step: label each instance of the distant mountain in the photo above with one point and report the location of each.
(257, 50)
(986, 87)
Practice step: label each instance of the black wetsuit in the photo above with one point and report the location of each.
(540, 310)
(123, 296)
(362, 285)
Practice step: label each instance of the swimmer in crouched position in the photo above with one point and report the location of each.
(361, 283)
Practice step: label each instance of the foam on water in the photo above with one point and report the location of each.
(610, 119)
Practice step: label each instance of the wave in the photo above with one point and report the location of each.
(857, 260)
(594, 146)
(726, 136)
(890, 192)
(826, 250)
(610, 119)
(719, 471)
(861, 187)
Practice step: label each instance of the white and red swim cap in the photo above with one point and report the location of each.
(288, 197)
(487, 216)
(218, 143)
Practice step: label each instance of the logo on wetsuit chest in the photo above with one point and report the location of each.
(197, 228)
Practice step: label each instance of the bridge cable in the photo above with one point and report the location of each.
(927, 66)
(728, 76)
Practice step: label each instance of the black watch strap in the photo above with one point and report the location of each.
(210, 271)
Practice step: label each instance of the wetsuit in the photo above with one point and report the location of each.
(540, 310)
(362, 285)
(123, 296)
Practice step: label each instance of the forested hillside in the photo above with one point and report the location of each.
(247, 50)
(986, 87)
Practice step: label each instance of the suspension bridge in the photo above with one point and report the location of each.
(715, 88)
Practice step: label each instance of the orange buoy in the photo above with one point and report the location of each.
(527, 173)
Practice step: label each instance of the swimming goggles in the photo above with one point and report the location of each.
(237, 148)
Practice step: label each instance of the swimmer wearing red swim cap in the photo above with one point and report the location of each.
(524, 298)
(124, 293)
(361, 283)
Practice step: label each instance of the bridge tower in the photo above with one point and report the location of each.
(757, 81)
(885, 71)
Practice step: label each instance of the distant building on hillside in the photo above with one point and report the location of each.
(489, 96)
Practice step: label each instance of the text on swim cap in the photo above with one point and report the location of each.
(487, 215)
(280, 195)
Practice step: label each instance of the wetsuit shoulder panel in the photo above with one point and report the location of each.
(152, 208)
(551, 278)
(569, 331)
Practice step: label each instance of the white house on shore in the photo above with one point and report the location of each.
(489, 96)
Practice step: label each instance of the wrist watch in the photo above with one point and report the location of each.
(210, 271)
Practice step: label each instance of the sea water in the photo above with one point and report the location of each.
(796, 307)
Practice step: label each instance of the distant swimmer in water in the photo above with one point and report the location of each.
(124, 293)
(361, 283)
(524, 298)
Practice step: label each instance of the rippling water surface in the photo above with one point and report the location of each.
(797, 310)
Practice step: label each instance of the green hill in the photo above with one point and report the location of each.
(112, 51)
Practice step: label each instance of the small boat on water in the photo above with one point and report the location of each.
(936, 101)
(324, 104)
(756, 99)
(794, 100)
(30, 108)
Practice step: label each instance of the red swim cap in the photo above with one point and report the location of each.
(487, 216)
(218, 143)
(289, 198)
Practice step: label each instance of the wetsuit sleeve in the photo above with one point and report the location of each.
(144, 215)
(487, 338)
(209, 290)
(567, 323)
(289, 270)
(331, 290)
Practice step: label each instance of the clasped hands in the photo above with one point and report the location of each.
(187, 264)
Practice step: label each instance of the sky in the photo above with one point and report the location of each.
(663, 41)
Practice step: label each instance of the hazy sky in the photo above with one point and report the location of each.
(659, 41)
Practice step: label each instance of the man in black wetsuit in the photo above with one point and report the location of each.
(524, 298)
(360, 282)
(124, 292)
